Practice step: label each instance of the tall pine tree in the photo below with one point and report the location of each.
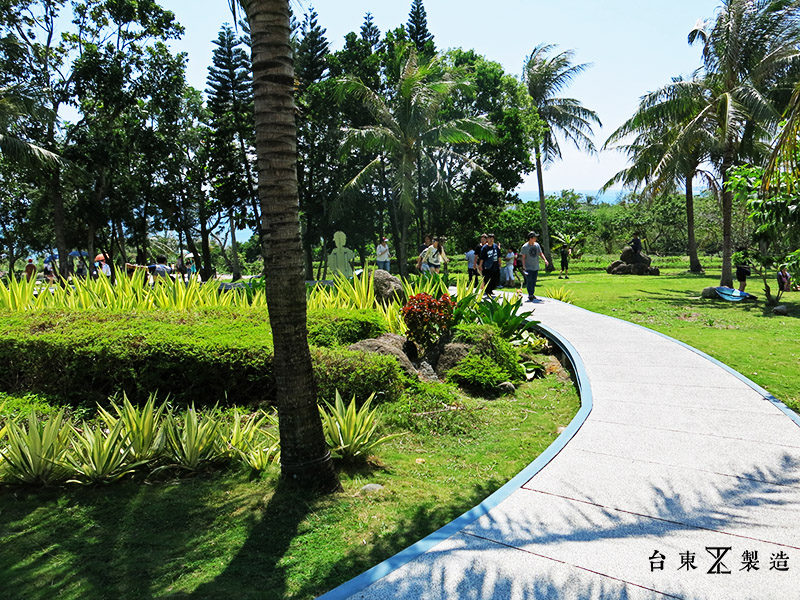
(418, 33)
(230, 102)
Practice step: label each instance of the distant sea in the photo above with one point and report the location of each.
(609, 197)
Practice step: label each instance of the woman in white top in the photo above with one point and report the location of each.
(433, 256)
(382, 254)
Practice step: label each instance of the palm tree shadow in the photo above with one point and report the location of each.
(511, 556)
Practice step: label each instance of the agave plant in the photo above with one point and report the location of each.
(350, 431)
(359, 290)
(562, 294)
(191, 441)
(143, 427)
(36, 454)
(241, 433)
(506, 315)
(100, 457)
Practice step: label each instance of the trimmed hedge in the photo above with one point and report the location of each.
(209, 356)
(341, 327)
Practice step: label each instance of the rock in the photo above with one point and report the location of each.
(629, 257)
(450, 356)
(507, 387)
(621, 269)
(370, 488)
(639, 268)
(613, 266)
(654, 271)
(387, 286)
(390, 344)
(426, 371)
(709, 292)
(781, 310)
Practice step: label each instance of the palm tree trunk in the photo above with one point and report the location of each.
(305, 458)
(726, 279)
(545, 237)
(694, 261)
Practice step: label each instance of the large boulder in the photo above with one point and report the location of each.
(387, 286)
(621, 269)
(450, 356)
(629, 257)
(630, 264)
(389, 344)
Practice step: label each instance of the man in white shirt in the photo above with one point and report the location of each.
(531, 253)
(382, 254)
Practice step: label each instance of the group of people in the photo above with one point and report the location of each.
(484, 261)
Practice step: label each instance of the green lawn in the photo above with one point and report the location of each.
(222, 536)
(745, 335)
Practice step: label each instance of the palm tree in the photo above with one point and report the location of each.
(16, 104)
(655, 163)
(409, 135)
(305, 458)
(545, 77)
(746, 52)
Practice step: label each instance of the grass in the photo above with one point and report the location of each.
(223, 536)
(746, 336)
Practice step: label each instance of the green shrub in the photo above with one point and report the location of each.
(432, 407)
(82, 358)
(342, 327)
(356, 373)
(204, 357)
(490, 361)
(487, 341)
(478, 371)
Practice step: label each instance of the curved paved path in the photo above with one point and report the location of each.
(678, 457)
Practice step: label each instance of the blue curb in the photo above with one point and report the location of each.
(414, 551)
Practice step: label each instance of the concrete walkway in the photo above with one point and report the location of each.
(679, 478)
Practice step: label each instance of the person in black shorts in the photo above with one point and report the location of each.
(566, 252)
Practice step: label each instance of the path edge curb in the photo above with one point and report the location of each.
(381, 570)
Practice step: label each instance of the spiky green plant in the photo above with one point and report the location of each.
(432, 284)
(358, 290)
(143, 426)
(35, 454)
(241, 432)
(101, 457)
(561, 294)
(191, 441)
(351, 431)
(507, 316)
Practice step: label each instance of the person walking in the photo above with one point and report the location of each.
(473, 272)
(382, 254)
(531, 252)
(507, 278)
(489, 264)
(433, 256)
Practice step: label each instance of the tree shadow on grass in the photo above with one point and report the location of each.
(122, 541)
(692, 299)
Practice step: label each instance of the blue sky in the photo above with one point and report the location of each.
(635, 46)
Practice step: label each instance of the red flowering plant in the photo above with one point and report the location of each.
(427, 318)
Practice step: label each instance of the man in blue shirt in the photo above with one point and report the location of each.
(489, 264)
(531, 252)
